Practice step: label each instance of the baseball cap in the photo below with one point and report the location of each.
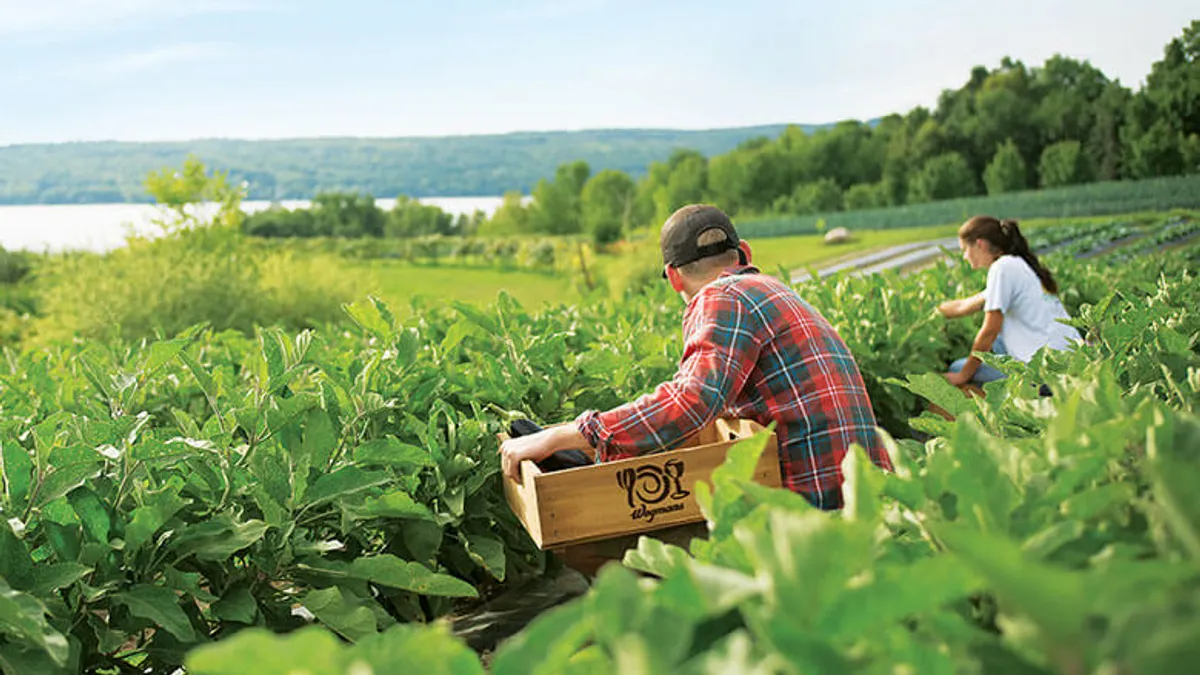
(681, 232)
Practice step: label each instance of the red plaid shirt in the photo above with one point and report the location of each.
(754, 349)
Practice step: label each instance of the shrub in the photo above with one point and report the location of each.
(191, 277)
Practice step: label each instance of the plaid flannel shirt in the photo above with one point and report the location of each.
(754, 349)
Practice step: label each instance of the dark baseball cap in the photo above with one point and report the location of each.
(681, 233)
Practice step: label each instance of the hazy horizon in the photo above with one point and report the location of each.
(429, 136)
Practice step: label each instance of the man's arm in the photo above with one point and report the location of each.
(954, 309)
(537, 447)
(723, 343)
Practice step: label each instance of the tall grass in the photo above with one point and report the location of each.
(164, 285)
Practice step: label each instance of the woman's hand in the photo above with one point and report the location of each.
(958, 379)
(953, 309)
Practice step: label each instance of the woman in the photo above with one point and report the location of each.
(1020, 304)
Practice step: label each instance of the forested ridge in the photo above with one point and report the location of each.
(482, 165)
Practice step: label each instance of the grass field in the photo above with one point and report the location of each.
(398, 283)
(810, 249)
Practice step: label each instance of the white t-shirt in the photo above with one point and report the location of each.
(1030, 313)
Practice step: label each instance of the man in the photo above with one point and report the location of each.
(752, 349)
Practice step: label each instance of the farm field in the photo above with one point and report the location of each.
(399, 283)
(320, 501)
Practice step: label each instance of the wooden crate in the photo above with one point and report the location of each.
(643, 494)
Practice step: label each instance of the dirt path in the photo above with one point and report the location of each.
(900, 257)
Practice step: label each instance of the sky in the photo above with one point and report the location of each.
(182, 69)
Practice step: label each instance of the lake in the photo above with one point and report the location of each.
(101, 227)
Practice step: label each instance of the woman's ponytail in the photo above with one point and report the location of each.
(1019, 246)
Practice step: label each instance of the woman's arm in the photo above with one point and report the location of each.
(953, 309)
(992, 322)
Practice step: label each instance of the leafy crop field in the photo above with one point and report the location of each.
(1092, 199)
(315, 502)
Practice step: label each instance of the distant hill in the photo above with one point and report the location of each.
(96, 172)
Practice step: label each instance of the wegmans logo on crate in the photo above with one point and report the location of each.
(650, 485)
(627, 496)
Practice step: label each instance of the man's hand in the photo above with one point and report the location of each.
(957, 379)
(536, 447)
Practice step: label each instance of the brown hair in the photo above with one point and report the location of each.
(1005, 236)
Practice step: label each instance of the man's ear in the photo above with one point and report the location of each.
(744, 247)
(675, 278)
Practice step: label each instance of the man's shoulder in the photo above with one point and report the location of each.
(762, 294)
(748, 279)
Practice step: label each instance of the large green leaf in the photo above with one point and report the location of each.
(801, 557)
(15, 564)
(320, 438)
(488, 552)
(721, 501)
(388, 570)
(393, 505)
(53, 576)
(391, 452)
(237, 604)
(271, 469)
(65, 540)
(343, 611)
(735, 654)
(92, 512)
(697, 591)
(1053, 598)
(411, 648)
(1171, 446)
(218, 538)
(934, 388)
(422, 538)
(145, 520)
(475, 316)
(160, 606)
(162, 352)
(616, 604)
(459, 331)
(862, 487)
(63, 479)
(23, 617)
(20, 660)
(257, 651)
(546, 645)
(655, 557)
(368, 317)
(892, 594)
(345, 481)
(16, 472)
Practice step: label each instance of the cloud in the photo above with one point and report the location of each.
(39, 17)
